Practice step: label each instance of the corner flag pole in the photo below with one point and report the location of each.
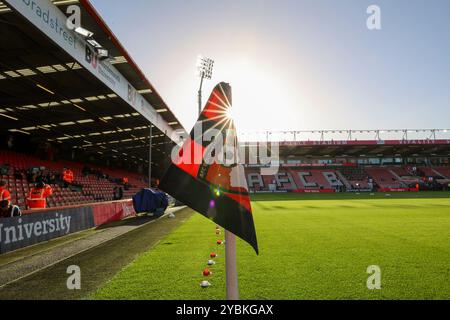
(205, 67)
(231, 263)
(230, 247)
(231, 266)
(150, 156)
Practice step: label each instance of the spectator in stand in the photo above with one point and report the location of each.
(37, 198)
(29, 176)
(100, 174)
(4, 170)
(8, 210)
(39, 177)
(5, 195)
(47, 177)
(18, 174)
(33, 174)
(58, 178)
(50, 178)
(67, 177)
(86, 171)
(125, 182)
(118, 193)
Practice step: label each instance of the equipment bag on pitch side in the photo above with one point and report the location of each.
(150, 201)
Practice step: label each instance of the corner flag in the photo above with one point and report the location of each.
(207, 175)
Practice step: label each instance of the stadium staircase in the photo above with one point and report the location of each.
(406, 177)
(344, 180)
(430, 172)
(443, 171)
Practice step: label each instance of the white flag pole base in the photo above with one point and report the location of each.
(231, 266)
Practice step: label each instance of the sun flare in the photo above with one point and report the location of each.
(258, 93)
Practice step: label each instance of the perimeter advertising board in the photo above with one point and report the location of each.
(20, 232)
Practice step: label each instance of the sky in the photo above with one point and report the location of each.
(296, 64)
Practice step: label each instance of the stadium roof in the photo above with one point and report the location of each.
(49, 94)
(368, 148)
(357, 143)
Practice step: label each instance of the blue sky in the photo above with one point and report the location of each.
(296, 64)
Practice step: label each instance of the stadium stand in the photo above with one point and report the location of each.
(294, 179)
(97, 186)
(316, 179)
(384, 177)
(353, 178)
(284, 180)
(398, 165)
(356, 177)
(405, 175)
(429, 172)
(254, 179)
(400, 171)
(443, 171)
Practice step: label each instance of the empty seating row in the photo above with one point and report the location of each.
(90, 187)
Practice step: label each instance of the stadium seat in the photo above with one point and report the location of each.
(93, 189)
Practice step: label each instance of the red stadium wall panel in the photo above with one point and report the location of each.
(314, 191)
(398, 190)
(113, 211)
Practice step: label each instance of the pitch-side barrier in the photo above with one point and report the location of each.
(43, 225)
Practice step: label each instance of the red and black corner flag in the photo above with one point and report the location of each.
(206, 174)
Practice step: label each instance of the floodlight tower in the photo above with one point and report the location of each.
(205, 69)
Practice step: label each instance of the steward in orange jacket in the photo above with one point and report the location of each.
(5, 195)
(126, 183)
(37, 198)
(68, 176)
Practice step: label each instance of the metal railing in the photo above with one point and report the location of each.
(344, 135)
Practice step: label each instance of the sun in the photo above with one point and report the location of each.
(259, 93)
(231, 113)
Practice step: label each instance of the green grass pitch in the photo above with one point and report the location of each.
(311, 247)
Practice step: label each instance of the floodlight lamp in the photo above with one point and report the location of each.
(205, 67)
(85, 33)
(93, 43)
(102, 53)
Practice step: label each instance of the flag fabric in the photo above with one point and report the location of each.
(213, 185)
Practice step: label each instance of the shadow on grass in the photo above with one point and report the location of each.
(98, 265)
(348, 196)
(132, 222)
